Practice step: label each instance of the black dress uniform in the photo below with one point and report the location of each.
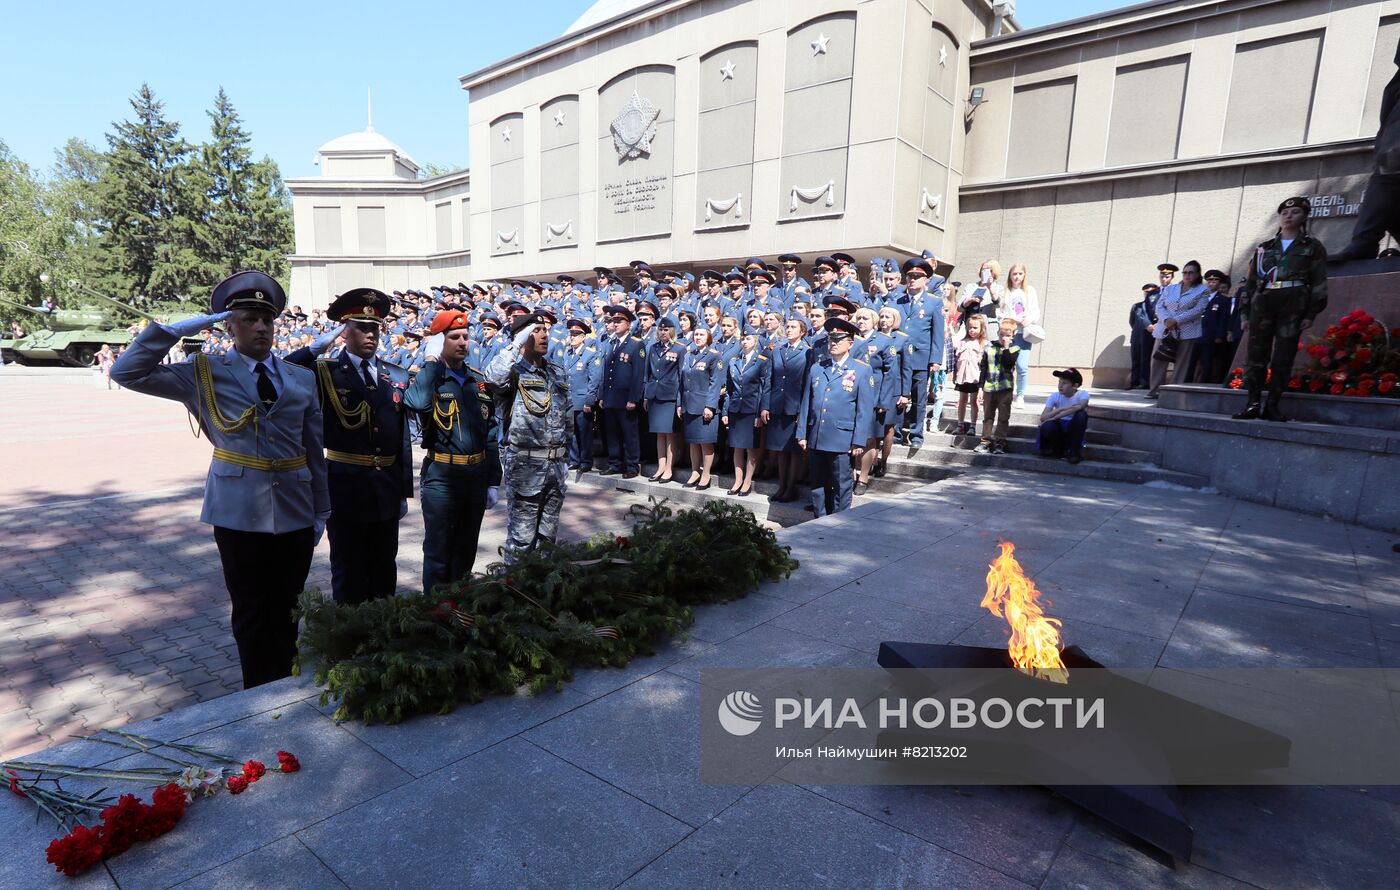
(462, 461)
(368, 456)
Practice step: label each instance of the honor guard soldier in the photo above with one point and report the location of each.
(585, 369)
(1285, 290)
(624, 375)
(266, 492)
(462, 467)
(834, 418)
(535, 415)
(368, 453)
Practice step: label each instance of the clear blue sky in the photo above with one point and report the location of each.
(296, 71)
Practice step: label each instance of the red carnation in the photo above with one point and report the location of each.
(254, 770)
(14, 783)
(1316, 386)
(1335, 389)
(1332, 330)
(1363, 354)
(1295, 383)
(1386, 386)
(1352, 391)
(167, 808)
(121, 825)
(1339, 376)
(237, 784)
(622, 542)
(1395, 332)
(289, 763)
(1389, 375)
(77, 851)
(1236, 384)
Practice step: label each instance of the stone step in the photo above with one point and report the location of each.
(1113, 454)
(1030, 430)
(935, 459)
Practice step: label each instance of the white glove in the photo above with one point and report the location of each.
(191, 326)
(432, 347)
(493, 497)
(525, 334)
(323, 342)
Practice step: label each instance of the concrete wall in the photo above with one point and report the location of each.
(1163, 133)
(837, 127)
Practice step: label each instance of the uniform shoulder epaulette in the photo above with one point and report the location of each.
(898, 334)
(639, 339)
(300, 368)
(763, 358)
(328, 358)
(476, 371)
(860, 362)
(590, 349)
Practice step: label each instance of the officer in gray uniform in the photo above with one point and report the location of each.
(267, 494)
(532, 399)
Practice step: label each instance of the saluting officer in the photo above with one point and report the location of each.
(835, 415)
(462, 468)
(585, 368)
(533, 394)
(922, 319)
(1285, 290)
(368, 453)
(266, 493)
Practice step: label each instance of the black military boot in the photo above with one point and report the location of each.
(1251, 411)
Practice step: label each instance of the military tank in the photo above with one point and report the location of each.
(74, 336)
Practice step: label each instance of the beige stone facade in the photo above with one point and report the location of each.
(694, 133)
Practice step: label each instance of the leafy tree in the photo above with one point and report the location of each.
(145, 199)
(73, 183)
(35, 236)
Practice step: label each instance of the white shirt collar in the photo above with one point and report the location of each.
(252, 364)
(359, 363)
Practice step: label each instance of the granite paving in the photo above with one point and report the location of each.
(598, 785)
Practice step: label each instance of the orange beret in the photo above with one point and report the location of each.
(448, 320)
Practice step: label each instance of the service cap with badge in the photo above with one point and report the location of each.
(248, 289)
(364, 304)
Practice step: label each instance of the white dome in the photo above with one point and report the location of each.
(365, 140)
(603, 10)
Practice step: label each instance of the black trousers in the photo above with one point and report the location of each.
(624, 439)
(1141, 346)
(362, 559)
(264, 573)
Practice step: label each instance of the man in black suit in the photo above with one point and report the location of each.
(1140, 319)
(369, 457)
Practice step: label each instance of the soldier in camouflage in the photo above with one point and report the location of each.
(1285, 290)
(532, 402)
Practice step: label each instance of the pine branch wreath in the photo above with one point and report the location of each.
(599, 602)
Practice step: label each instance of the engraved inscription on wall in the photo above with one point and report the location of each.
(636, 193)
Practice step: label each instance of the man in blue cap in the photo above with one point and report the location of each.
(921, 316)
(585, 369)
(368, 452)
(266, 494)
(624, 375)
(838, 404)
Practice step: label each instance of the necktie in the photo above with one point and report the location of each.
(369, 378)
(266, 391)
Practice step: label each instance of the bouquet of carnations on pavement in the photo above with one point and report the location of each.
(191, 771)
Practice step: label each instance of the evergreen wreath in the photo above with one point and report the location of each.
(599, 602)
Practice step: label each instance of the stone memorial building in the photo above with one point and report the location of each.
(693, 133)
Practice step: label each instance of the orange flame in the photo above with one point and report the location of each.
(1035, 640)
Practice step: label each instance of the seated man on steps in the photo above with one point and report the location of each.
(1065, 419)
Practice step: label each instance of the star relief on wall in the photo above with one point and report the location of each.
(943, 55)
(559, 118)
(726, 71)
(819, 45)
(505, 133)
(634, 128)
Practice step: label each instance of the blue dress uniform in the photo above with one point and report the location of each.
(368, 456)
(624, 375)
(534, 408)
(886, 356)
(836, 406)
(749, 380)
(463, 460)
(585, 371)
(703, 375)
(922, 320)
(662, 389)
(266, 490)
(789, 375)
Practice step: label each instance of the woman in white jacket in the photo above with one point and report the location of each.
(1179, 311)
(1021, 304)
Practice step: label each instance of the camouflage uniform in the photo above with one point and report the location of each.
(532, 401)
(1282, 289)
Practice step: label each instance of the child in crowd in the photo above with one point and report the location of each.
(998, 388)
(1065, 418)
(967, 370)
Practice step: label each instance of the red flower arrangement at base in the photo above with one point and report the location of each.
(1355, 357)
(129, 820)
